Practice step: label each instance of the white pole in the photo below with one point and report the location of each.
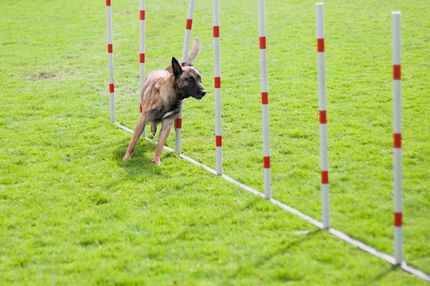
(322, 105)
(264, 98)
(142, 41)
(188, 26)
(397, 150)
(217, 85)
(142, 15)
(110, 60)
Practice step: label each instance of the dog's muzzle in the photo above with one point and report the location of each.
(201, 94)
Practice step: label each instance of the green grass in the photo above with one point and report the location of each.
(73, 213)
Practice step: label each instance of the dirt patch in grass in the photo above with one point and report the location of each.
(41, 75)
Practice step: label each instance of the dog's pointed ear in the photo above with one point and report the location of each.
(177, 69)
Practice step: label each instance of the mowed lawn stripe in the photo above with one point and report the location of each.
(73, 213)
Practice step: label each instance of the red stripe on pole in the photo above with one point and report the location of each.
(216, 31)
(397, 72)
(110, 48)
(264, 97)
(324, 177)
(189, 24)
(107, 2)
(323, 116)
(398, 220)
(397, 140)
(111, 87)
(320, 45)
(140, 108)
(219, 141)
(142, 15)
(217, 82)
(266, 162)
(142, 58)
(178, 123)
(262, 42)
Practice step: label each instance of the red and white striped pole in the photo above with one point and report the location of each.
(322, 105)
(217, 86)
(188, 26)
(264, 98)
(142, 42)
(397, 150)
(110, 60)
(142, 48)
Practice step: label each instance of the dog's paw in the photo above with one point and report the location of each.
(126, 157)
(156, 162)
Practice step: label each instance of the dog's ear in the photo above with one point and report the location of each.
(177, 69)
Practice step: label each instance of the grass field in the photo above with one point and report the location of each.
(73, 213)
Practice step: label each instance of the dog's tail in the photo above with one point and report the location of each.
(194, 52)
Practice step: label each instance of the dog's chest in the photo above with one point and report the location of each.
(166, 111)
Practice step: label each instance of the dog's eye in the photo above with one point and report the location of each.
(199, 79)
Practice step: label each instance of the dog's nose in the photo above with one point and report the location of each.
(203, 92)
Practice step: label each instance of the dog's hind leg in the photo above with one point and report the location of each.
(137, 132)
(165, 130)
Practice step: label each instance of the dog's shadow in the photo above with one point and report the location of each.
(141, 161)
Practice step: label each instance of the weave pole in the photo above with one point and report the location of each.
(188, 27)
(110, 60)
(397, 136)
(142, 46)
(217, 86)
(264, 98)
(322, 105)
(142, 42)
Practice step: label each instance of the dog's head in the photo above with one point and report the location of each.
(188, 81)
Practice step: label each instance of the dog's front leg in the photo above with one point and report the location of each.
(137, 131)
(166, 125)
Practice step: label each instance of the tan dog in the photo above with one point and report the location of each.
(161, 99)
